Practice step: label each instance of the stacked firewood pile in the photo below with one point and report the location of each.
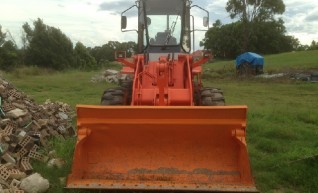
(25, 128)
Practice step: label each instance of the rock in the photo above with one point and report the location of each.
(38, 156)
(6, 191)
(16, 113)
(110, 72)
(14, 184)
(17, 191)
(19, 105)
(314, 77)
(9, 166)
(4, 122)
(112, 79)
(111, 76)
(124, 77)
(56, 162)
(2, 88)
(62, 181)
(52, 154)
(8, 158)
(17, 174)
(22, 134)
(301, 76)
(63, 115)
(42, 122)
(25, 129)
(35, 183)
(269, 76)
(71, 131)
(3, 147)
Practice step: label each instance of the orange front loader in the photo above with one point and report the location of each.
(162, 130)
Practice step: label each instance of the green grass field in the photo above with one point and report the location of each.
(282, 130)
(285, 62)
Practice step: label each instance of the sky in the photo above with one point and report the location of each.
(94, 23)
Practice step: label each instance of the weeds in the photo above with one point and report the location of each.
(282, 120)
(31, 71)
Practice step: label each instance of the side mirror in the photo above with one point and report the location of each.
(205, 21)
(123, 22)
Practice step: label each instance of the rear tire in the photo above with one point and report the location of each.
(212, 97)
(114, 97)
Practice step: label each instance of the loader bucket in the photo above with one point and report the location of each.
(161, 148)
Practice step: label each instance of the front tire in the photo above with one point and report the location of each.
(114, 97)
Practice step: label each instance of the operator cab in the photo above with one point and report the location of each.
(164, 26)
(163, 38)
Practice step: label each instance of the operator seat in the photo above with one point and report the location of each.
(161, 38)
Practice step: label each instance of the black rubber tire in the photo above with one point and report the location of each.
(196, 94)
(114, 97)
(212, 97)
(127, 85)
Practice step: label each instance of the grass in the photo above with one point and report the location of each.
(305, 60)
(72, 87)
(285, 62)
(282, 131)
(282, 128)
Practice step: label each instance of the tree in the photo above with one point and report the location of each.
(84, 60)
(2, 36)
(269, 38)
(313, 45)
(217, 23)
(8, 56)
(252, 12)
(295, 43)
(8, 52)
(255, 10)
(227, 41)
(106, 52)
(224, 40)
(47, 46)
(102, 54)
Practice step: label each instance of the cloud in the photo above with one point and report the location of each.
(293, 9)
(114, 6)
(301, 19)
(312, 16)
(217, 11)
(97, 22)
(117, 7)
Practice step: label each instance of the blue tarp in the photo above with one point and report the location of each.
(251, 58)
